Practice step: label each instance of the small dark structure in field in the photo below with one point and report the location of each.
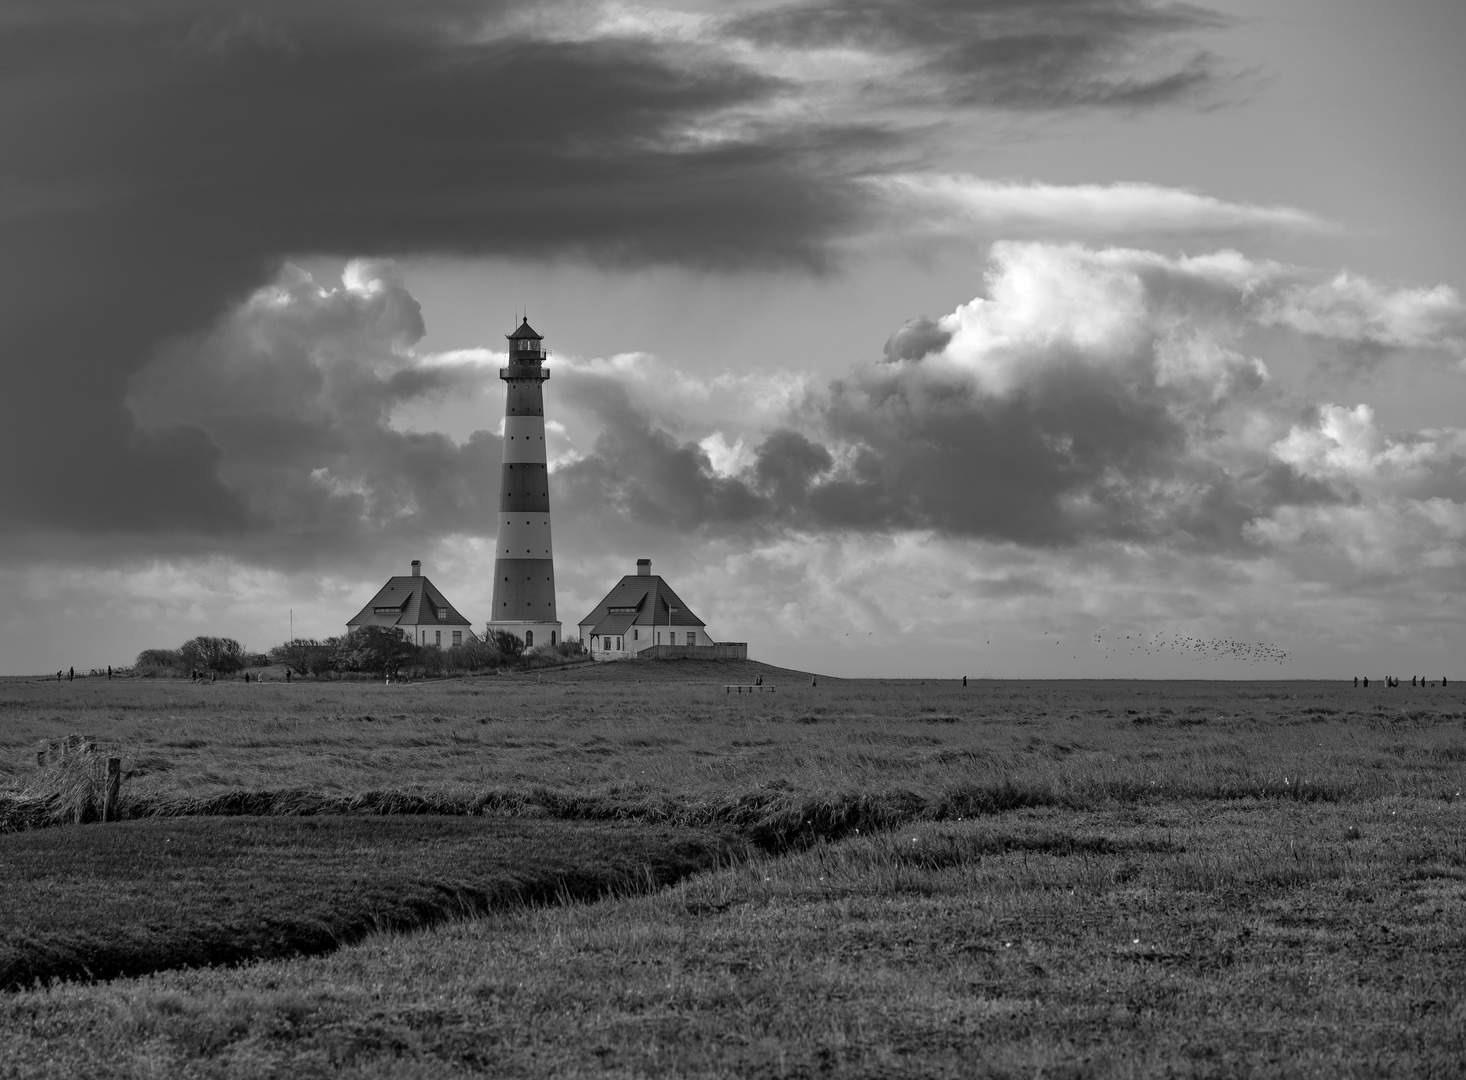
(414, 604)
(643, 617)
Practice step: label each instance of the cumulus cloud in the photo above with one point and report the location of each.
(1360, 313)
(1090, 395)
(296, 387)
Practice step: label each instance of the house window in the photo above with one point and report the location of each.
(552, 637)
(458, 637)
(618, 644)
(635, 633)
(438, 638)
(529, 639)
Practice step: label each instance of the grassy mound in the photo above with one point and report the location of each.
(141, 896)
(714, 672)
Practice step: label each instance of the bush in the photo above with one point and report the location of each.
(430, 659)
(550, 655)
(307, 655)
(474, 655)
(224, 655)
(153, 662)
(378, 650)
(509, 646)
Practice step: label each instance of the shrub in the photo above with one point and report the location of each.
(474, 654)
(160, 661)
(509, 646)
(307, 655)
(430, 659)
(381, 650)
(224, 655)
(550, 655)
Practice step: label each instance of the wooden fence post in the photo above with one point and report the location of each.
(114, 784)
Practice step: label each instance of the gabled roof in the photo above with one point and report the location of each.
(415, 601)
(651, 601)
(525, 332)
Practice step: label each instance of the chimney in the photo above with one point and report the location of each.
(417, 568)
(644, 567)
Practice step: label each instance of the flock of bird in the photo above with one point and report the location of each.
(1212, 649)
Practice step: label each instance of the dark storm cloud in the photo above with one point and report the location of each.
(1014, 54)
(296, 388)
(672, 484)
(162, 158)
(916, 338)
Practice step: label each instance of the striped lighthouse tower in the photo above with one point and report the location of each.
(524, 566)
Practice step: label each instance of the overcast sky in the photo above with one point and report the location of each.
(908, 337)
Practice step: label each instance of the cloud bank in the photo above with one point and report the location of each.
(164, 159)
(1092, 395)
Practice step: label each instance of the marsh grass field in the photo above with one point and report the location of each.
(880, 877)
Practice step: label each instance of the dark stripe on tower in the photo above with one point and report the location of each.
(526, 397)
(524, 487)
(524, 589)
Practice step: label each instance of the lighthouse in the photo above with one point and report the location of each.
(524, 565)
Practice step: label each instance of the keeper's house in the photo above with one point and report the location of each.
(643, 617)
(414, 605)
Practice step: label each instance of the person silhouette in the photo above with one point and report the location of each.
(1356, 682)
(1366, 682)
(70, 674)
